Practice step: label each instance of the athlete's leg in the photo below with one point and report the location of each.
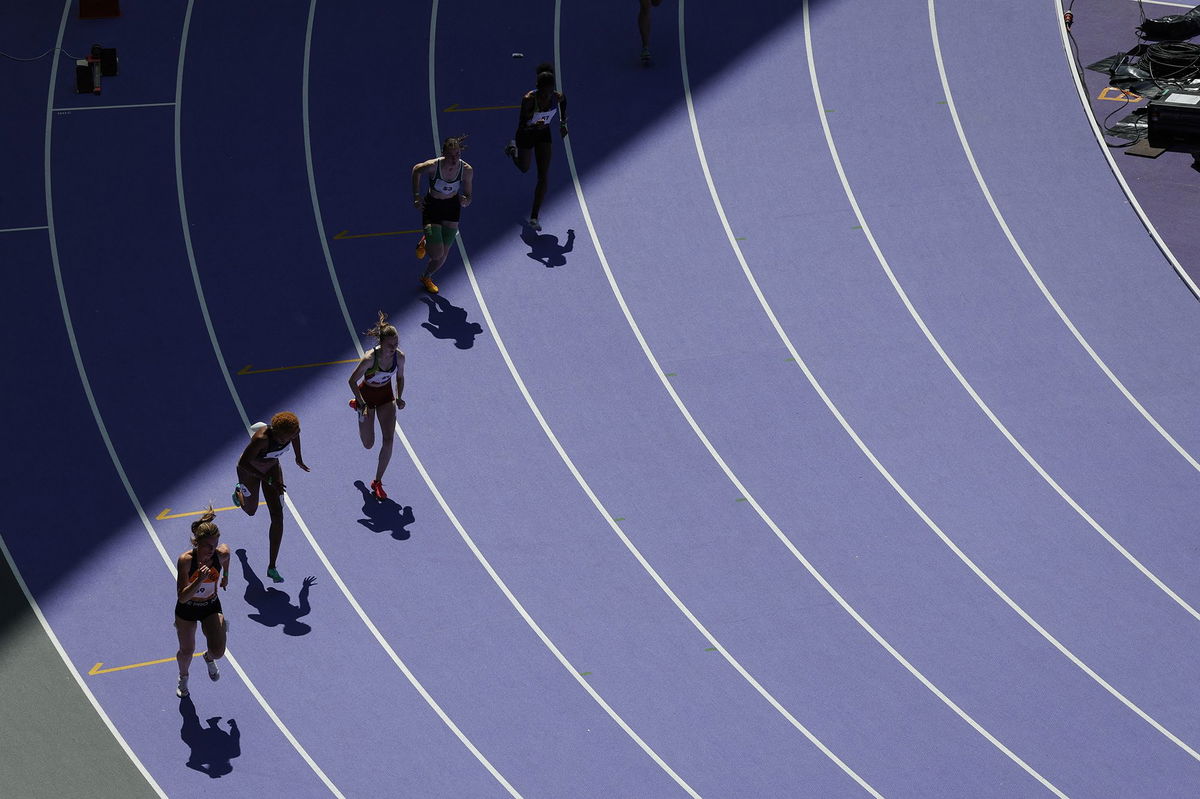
(366, 428)
(387, 431)
(252, 481)
(446, 233)
(186, 632)
(543, 150)
(273, 495)
(214, 634)
(435, 250)
(523, 158)
(644, 22)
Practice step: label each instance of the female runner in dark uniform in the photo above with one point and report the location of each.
(371, 383)
(450, 186)
(197, 574)
(538, 108)
(259, 467)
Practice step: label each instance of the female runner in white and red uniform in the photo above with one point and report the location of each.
(197, 574)
(371, 383)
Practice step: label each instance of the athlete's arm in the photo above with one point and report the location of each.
(356, 378)
(299, 457)
(418, 170)
(468, 179)
(223, 554)
(399, 380)
(186, 587)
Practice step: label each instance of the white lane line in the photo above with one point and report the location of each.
(107, 107)
(1086, 101)
(19, 229)
(1016, 247)
(720, 461)
(62, 653)
(108, 444)
(320, 223)
(533, 625)
(850, 196)
(1160, 3)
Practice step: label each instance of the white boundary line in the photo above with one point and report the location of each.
(743, 491)
(320, 224)
(546, 641)
(106, 107)
(19, 229)
(1164, 3)
(982, 405)
(112, 453)
(1085, 100)
(66, 659)
(983, 187)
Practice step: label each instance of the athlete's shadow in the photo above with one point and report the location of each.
(545, 249)
(212, 747)
(274, 606)
(386, 516)
(450, 321)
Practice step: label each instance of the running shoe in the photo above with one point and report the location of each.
(181, 690)
(421, 248)
(645, 56)
(377, 489)
(429, 285)
(274, 574)
(240, 493)
(214, 673)
(534, 223)
(510, 149)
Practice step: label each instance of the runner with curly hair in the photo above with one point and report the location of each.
(259, 468)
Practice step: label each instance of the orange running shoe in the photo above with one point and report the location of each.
(377, 489)
(429, 285)
(421, 248)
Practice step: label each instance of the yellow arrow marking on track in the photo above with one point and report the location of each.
(97, 670)
(1120, 95)
(450, 109)
(346, 234)
(166, 512)
(247, 370)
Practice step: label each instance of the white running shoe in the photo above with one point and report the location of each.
(534, 223)
(182, 690)
(214, 673)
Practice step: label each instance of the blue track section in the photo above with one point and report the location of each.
(806, 450)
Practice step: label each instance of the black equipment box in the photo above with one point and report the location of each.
(1173, 120)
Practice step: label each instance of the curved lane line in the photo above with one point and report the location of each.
(116, 461)
(983, 187)
(62, 301)
(730, 475)
(533, 625)
(979, 401)
(319, 221)
(62, 653)
(1085, 101)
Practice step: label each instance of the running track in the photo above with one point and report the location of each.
(831, 462)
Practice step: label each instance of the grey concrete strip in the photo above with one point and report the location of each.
(52, 744)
